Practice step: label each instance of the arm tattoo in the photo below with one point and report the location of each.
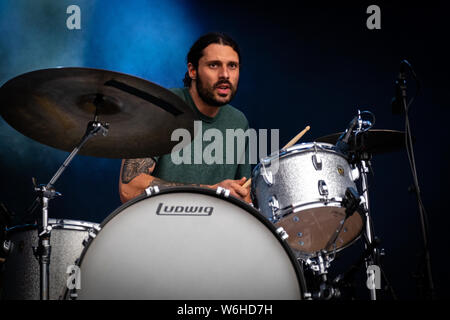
(163, 183)
(134, 167)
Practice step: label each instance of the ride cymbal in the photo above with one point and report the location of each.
(54, 106)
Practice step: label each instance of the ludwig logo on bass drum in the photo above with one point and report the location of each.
(183, 210)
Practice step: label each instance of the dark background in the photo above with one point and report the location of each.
(303, 64)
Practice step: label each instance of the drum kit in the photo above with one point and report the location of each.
(310, 201)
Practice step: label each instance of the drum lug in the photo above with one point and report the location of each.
(283, 234)
(152, 190)
(323, 189)
(317, 162)
(92, 233)
(266, 174)
(223, 192)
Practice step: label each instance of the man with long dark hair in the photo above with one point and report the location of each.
(211, 82)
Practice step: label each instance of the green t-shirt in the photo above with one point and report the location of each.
(209, 170)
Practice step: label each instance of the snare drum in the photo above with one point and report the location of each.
(301, 189)
(22, 269)
(188, 243)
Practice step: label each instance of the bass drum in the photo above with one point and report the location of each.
(187, 243)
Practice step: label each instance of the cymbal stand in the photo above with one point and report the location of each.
(362, 161)
(45, 194)
(372, 258)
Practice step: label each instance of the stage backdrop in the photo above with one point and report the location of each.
(301, 65)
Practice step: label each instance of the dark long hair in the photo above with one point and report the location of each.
(196, 51)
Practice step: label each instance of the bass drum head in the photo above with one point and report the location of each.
(188, 243)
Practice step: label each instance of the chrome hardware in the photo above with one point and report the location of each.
(323, 189)
(92, 233)
(320, 263)
(317, 162)
(354, 174)
(223, 192)
(47, 231)
(283, 234)
(266, 172)
(363, 203)
(307, 295)
(152, 190)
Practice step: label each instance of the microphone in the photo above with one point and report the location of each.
(342, 142)
(397, 103)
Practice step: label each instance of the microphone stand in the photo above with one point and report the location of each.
(47, 193)
(401, 93)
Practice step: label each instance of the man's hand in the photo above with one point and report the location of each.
(136, 176)
(236, 188)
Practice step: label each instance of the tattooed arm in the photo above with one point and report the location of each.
(136, 176)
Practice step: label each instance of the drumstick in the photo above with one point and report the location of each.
(290, 144)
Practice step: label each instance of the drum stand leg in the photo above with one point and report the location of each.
(45, 194)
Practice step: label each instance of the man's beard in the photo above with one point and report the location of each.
(207, 94)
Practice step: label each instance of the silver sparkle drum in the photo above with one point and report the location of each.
(187, 243)
(301, 189)
(21, 277)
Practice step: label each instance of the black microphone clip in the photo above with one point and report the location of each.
(342, 143)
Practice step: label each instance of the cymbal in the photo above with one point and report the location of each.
(374, 141)
(54, 106)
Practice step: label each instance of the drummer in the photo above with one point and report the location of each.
(210, 83)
